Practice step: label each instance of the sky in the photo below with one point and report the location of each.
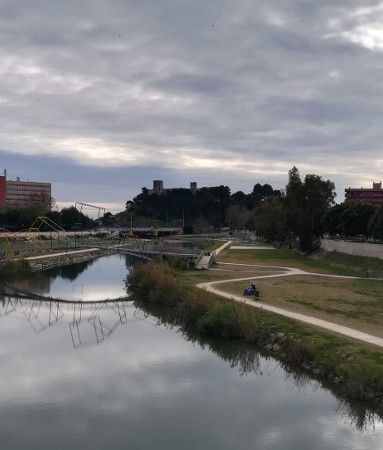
(100, 97)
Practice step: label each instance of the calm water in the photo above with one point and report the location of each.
(109, 377)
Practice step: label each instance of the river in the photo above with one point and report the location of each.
(109, 376)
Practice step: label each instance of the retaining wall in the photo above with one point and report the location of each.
(353, 248)
(62, 260)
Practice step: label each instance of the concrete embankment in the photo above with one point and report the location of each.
(44, 262)
(353, 248)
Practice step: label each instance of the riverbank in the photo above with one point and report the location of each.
(51, 260)
(18, 267)
(317, 297)
(353, 369)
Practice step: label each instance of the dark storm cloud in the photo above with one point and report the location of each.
(215, 91)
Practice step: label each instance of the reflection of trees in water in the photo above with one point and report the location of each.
(129, 261)
(39, 282)
(88, 323)
(248, 358)
(70, 272)
(239, 355)
(361, 417)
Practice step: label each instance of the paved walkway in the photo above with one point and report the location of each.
(290, 271)
(222, 247)
(207, 259)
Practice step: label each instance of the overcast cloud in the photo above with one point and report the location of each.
(102, 96)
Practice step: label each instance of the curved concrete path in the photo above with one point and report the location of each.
(290, 271)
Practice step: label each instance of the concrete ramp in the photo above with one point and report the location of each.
(205, 261)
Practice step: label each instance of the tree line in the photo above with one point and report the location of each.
(354, 220)
(297, 216)
(207, 208)
(21, 218)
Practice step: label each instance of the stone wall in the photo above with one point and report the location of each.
(62, 260)
(353, 248)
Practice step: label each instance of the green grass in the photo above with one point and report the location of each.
(327, 262)
(213, 245)
(354, 303)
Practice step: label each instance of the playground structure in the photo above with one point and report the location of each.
(42, 222)
(37, 239)
(87, 205)
(46, 237)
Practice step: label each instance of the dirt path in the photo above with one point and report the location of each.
(289, 271)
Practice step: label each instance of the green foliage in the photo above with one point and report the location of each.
(267, 220)
(22, 218)
(222, 321)
(306, 204)
(71, 216)
(331, 220)
(355, 219)
(375, 225)
(321, 261)
(261, 193)
(15, 219)
(207, 207)
(298, 215)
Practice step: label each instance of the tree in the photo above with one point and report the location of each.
(355, 219)
(237, 215)
(214, 204)
(267, 220)
(292, 209)
(263, 192)
(71, 217)
(332, 219)
(42, 201)
(305, 207)
(201, 225)
(375, 225)
(107, 220)
(238, 197)
(129, 206)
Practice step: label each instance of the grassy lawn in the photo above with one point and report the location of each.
(354, 303)
(213, 245)
(222, 272)
(323, 262)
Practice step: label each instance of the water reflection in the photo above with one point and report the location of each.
(115, 375)
(247, 358)
(70, 272)
(95, 280)
(91, 324)
(88, 324)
